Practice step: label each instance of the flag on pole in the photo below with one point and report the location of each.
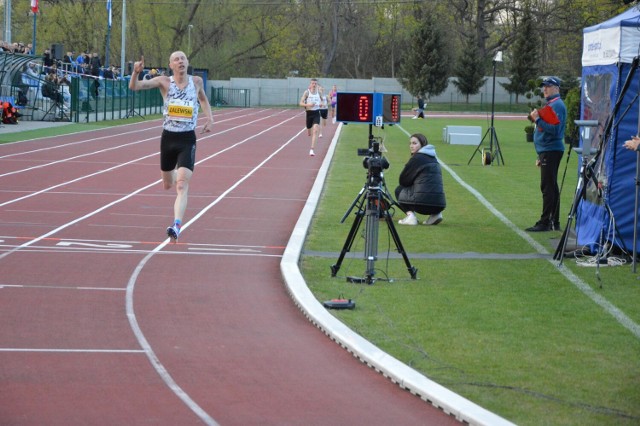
(108, 10)
(34, 6)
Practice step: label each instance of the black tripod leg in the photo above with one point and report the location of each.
(396, 239)
(562, 245)
(354, 203)
(497, 154)
(478, 147)
(348, 243)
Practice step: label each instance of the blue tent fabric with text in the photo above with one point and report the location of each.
(606, 212)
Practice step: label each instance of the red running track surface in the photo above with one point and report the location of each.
(105, 323)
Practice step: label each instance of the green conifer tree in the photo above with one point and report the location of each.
(469, 69)
(426, 64)
(524, 61)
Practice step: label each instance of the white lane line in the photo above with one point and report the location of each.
(90, 351)
(59, 287)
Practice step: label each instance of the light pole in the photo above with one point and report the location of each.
(190, 26)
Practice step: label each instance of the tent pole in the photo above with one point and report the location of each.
(635, 218)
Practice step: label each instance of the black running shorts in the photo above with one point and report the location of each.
(177, 149)
(313, 117)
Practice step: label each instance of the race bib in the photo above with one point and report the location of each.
(179, 110)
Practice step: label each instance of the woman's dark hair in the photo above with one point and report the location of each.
(421, 138)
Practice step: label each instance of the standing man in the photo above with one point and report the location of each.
(310, 101)
(183, 94)
(548, 140)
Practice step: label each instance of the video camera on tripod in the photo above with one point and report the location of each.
(372, 202)
(373, 160)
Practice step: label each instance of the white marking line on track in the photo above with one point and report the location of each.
(91, 351)
(191, 251)
(119, 247)
(608, 307)
(157, 365)
(58, 287)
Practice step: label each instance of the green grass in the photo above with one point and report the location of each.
(514, 336)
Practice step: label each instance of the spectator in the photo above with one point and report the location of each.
(80, 63)
(22, 88)
(548, 141)
(51, 90)
(47, 61)
(421, 188)
(68, 62)
(107, 74)
(96, 64)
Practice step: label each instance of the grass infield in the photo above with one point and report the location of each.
(490, 316)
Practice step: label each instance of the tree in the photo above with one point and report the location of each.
(469, 69)
(336, 38)
(524, 60)
(426, 65)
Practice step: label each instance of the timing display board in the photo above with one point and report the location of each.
(368, 108)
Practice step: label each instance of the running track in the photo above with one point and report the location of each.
(105, 323)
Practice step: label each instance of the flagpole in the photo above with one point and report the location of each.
(106, 54)
(123, 38)
(7, 21)
(34, 10)
(108, 41)
(33, 41)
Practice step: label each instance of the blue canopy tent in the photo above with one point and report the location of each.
(610, 89)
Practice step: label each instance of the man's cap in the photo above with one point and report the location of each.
(550, 81)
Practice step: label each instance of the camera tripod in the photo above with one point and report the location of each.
(373, 202)
(132, 111)
(494, 152)
(586, 174)
(57, 112)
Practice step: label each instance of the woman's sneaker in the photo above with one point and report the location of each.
(409, 220)
(434, 219)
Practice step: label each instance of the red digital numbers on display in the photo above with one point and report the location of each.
(364, 108)
(391, 108)
(354, 107)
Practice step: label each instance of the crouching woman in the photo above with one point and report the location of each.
(421, 190)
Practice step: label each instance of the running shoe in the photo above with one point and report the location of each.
(311, 153)
(173, 232)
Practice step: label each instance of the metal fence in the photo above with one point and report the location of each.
(225, 97)
(102, 100)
